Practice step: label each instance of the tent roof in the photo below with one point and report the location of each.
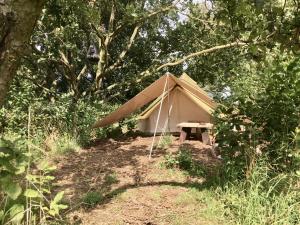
(153, 91)
(155, 104)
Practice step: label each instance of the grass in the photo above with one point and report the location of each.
(165, 142)
(60, 144)
(110, 179)
(91, 199)
(260, 200)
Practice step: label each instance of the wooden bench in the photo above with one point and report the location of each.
(201, 131)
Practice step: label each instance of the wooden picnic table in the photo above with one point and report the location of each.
(201, 131)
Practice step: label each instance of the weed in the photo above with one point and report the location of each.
(170, 161)
(92, 198)
(184, 161)
(259, 200)
(59, 144)
(111, 178)
(165, 142)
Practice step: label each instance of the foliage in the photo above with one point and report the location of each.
(59, 115)
(165, 141)
(92, 198)
(22, 192)
(260, 122)
(184, 161)
(111, 178)
(261, 199)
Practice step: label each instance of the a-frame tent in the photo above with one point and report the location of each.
(176, 100)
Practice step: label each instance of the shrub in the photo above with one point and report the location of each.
(185, 160)
(260, 122)
(25, 191)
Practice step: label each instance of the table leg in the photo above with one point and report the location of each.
(198, 134)
(184, 134)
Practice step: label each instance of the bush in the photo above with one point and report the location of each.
(185, 160)
(260, 122)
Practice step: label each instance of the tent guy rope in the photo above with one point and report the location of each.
(158, 116)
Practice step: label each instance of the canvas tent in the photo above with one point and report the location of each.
(175, 100)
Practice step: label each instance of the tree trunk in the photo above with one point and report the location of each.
(17, 21)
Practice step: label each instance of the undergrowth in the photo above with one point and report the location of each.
(260, 200)
(184, 161)
(263, 198)
(165, 142)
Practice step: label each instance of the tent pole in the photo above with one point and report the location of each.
(158, 116)
(167, 122)
(165, 127)
(169, 107)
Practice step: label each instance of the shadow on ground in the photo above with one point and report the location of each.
(126, 160)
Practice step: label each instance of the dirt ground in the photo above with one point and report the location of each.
(137, 190)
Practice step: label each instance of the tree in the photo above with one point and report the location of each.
(81, 44)
(17, 21)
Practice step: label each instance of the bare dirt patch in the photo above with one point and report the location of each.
(137, 190)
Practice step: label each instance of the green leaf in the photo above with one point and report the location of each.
(4, 143)
(62, 206)
(58, 197)
(30, 193)
(20, 170)
(16, 213)
(44, 166)
(13, 190)
(1, 215)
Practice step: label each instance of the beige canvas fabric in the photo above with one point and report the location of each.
(189, 103)
(141, 99)
(185, 83)
(179, 106)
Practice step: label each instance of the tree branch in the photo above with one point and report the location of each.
(148, 72)
(202, 52)
(124, 52)
(98, 33)
(66, 63)
(143, 18)
(82, 72)
(112, 17)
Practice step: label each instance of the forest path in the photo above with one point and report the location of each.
(136, 190)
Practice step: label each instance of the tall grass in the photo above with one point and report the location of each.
(261, 200)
